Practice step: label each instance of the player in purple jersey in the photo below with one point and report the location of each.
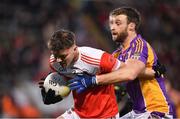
(148, 94)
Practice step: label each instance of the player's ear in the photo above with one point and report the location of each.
(131, 26)
(75, 48)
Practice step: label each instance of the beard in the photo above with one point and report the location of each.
(122, 36)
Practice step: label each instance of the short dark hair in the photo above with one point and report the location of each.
(132, 15)
(61, 39)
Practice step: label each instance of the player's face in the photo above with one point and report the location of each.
(118, 26)
(66, 57)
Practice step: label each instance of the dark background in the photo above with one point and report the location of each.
(25, 26)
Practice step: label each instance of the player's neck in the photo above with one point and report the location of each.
(128, 40)
(76, 56)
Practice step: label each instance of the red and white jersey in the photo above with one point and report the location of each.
(98, 101)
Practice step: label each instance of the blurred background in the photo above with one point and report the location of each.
(26, 25)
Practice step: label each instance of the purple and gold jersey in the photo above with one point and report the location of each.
(146, 94)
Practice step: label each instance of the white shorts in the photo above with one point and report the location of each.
(145, 115)
(70, 114)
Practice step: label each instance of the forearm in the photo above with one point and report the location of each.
(127, 72)
(121, 75)
(147, 73)
(111, 78)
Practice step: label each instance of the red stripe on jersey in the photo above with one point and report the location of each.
(90, 62)
(89, 57)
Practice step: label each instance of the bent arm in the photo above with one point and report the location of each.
(128, 71)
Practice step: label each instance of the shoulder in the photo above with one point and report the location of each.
(89, 49)
(139, 44)
(139, 41)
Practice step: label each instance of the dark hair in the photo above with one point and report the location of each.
(132, 15)
(61, 39)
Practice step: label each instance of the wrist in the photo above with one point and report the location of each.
(95, 80)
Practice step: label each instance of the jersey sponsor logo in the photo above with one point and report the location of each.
(136, 55)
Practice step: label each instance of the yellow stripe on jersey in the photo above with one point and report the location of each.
(151, 90)
(142, 45)
(150, 59)
(116, 54)
(139, 45)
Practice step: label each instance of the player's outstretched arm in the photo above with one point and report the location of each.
(48, 97)
(81, 83)
(146, 73)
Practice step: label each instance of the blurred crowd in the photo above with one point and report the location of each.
(26, 25)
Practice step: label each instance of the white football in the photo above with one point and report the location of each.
(57, 83)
